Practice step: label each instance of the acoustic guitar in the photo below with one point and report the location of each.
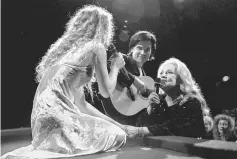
(129, 101)
(123, 102)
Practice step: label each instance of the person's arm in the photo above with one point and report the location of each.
(188, 123)
(87, 108)
(125, 78)
(106, 82)
(94, 112)
(144, 131)
(133, 131)
(154, 102)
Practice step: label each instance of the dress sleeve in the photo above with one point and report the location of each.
(185, 120)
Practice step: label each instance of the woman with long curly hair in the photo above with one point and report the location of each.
(178, 109)
(223, 128)
(63, 124)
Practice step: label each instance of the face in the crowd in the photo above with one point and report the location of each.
(141, 52)
(222, 126)
(207, 125)
(168, 76)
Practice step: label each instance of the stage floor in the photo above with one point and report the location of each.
(132, 150)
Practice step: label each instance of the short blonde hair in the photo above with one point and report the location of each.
(188, 84)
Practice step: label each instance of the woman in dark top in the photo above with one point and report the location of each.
(180, 112)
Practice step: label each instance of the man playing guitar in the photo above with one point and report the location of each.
(142, 47)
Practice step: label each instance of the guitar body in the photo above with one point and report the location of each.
(123, 102)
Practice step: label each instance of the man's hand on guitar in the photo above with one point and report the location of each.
(143, 89)
(117, 61)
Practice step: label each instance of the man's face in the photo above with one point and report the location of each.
(141, 52)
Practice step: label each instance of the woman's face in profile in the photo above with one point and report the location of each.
(222, 126)
(207, 126)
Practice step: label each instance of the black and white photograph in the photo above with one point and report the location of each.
(114, 79)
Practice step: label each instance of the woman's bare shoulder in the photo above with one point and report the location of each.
(85, 54)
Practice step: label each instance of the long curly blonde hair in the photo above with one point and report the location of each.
(188, 84)
(90, 23)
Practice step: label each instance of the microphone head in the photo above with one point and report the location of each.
(157, 80)
(157, 85)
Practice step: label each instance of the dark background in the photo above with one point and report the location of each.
(202, 33)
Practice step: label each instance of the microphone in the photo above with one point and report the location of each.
(157, 80)
(113, 52)
(157, 86)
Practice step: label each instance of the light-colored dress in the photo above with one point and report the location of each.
(59, 128)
